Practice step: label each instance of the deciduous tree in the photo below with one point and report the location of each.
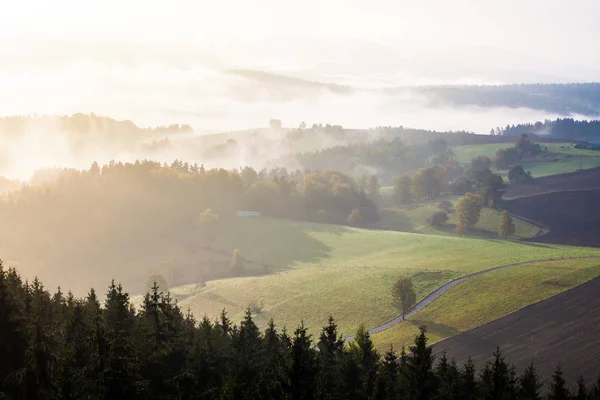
(402, 190)
(468, 210)
(507, 227)
(403, 294)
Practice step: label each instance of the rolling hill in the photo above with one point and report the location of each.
(565, 327)
(345, 272)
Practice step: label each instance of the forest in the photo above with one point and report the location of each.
(563, 128)
(57, 346)
(563, 99)
(146, 210)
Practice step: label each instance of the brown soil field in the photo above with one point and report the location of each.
(563, 329)
(580, 180)
(573, 217)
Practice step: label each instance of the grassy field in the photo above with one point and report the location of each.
(560, 158)
(488, 297)
(346, 272)
(413, 218)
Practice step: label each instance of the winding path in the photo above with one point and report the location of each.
(441, 290)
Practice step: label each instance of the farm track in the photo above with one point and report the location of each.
(443, 289)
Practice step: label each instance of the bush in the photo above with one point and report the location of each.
(256, 307)
(518, 175)
(354, 219)
(461, 186)
(447, 206)
(438, 219)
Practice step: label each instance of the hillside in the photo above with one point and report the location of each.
(577, 180)
(345, 271)
(557, 158)
(413, 218)
(489, 296)
(564, 328)
(571, 215)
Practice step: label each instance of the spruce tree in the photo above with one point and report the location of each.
(13, 341)
(594, 390)
(387, 385)
(120, 370)
(304, 366)
(529, 384)
(468, 382)
(558, 388)
(331, 353)
(582, 393)
(448, 379)
(362, 350)
(420, 364)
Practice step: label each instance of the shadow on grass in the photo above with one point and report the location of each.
(536, 244)
(394, 220)
(280, 243)
(435, 329)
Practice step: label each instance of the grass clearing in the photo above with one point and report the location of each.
(559, 159)
(346, 272)
(413, 218)
(488, 297)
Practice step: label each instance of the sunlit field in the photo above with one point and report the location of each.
(488, 297)
(345, 272)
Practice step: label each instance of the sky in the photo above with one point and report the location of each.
(554, 30)
(164, 62)
(156, 61)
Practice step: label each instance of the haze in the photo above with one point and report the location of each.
(156, 63)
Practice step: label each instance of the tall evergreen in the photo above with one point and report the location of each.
(13, 340)
(498, 379)
(558, 388)
(387, 385)
(420, 364)
(529, 384)
(448, 379)
(120, 375)
(582, 392)
(55, 346)
(331, 353)
(468, 390)
(304, 366)
(362, 350)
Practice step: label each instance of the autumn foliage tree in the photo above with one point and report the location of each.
(403, 294)
(507, 226)
(468, 210)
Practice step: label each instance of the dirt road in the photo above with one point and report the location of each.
(443, 289)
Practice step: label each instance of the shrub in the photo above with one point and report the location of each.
(438, 219)
(447, 206)
(518, 175)
(461, 186)
(354, 219)
(256, 307)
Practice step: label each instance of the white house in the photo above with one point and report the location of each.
(247, 214)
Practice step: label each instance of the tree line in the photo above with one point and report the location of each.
(151, 209)
(57, 346)
(565, 99)
(565, 128)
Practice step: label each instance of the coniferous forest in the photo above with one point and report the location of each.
(56, 346)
